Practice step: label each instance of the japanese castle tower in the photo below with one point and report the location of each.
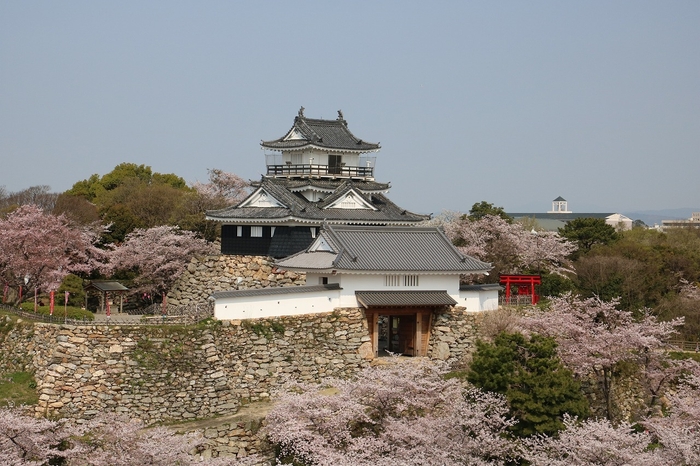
(318, 172)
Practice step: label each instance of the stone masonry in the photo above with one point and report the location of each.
(206, 275)
(454, 334)
(184, 373)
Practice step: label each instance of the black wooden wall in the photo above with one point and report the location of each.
(286, 241)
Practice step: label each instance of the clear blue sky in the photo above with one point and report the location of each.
(510, 102)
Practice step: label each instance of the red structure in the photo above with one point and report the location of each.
(525, 283)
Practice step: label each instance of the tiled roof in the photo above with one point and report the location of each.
(400, 249)
(301, 209)
(275, 291)
(297, 184)
(404, 298)
(327, 134)
(106, 285)
(481, 287)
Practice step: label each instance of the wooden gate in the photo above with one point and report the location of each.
(407, 332)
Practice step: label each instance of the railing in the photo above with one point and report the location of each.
(320, 170)
(152, 315)
(688, 346)
(516, 300)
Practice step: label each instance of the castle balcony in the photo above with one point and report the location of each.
(314, 170)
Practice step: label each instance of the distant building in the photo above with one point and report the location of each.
(692, 222)
(560, 215)
(317, 172)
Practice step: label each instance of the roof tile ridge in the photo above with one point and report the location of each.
(314, 135)
(460, 256)
(282, 194)
(391, 203)
(344, 247)
(335, 195)
(487, 265)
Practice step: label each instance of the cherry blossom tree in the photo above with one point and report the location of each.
(671, 438)
(393, 415)
(159, 256)
(112, 440)
(593, 442)
(38, 249)
(508, 246)
(107, 440)
(223, 188)
(27, 441)
(689, 291)
(594, 336)
(678, 431)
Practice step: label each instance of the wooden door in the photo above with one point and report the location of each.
(334, 164)
(407, 334)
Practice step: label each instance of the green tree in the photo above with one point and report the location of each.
(481, 209)
(588, 232)
(73, 285)
(554, 284)
(133, 196)
(539, 389)
(76, 208)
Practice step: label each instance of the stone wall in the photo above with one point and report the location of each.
(205, 275)
(175, 373)
(186, 373)
(454, 334)
(17, 345)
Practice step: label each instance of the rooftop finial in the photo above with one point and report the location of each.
(301, 112)
(340, 115)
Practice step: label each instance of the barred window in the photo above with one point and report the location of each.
(392, 280)
(256, 232)
(401, 280)
(410, 280)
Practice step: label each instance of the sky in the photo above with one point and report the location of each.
(509, 102)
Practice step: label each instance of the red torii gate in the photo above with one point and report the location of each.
(525, 283)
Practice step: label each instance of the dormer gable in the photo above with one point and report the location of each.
(351, 200)
(321, 245)
(295, 135)
(262, 198)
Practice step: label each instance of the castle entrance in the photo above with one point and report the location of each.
(400, 322)
(403, 331)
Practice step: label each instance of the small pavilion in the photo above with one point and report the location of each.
(108, 290)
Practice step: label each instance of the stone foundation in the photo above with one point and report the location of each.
(206, 275)
(454, 334)
(184, 373)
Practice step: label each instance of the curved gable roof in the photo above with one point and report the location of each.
(324, 134)
(386, 249)
(297, 207)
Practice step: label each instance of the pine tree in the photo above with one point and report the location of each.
(539, 389)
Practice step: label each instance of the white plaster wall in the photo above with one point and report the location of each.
(321, 157)
(250, 307)
(351, 283)
(315, 278)
(475, 301)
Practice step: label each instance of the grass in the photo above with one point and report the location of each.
(18, 388)
(71, 311)
(684, 355)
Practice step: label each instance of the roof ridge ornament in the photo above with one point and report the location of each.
(340, 115)
(301, 112)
